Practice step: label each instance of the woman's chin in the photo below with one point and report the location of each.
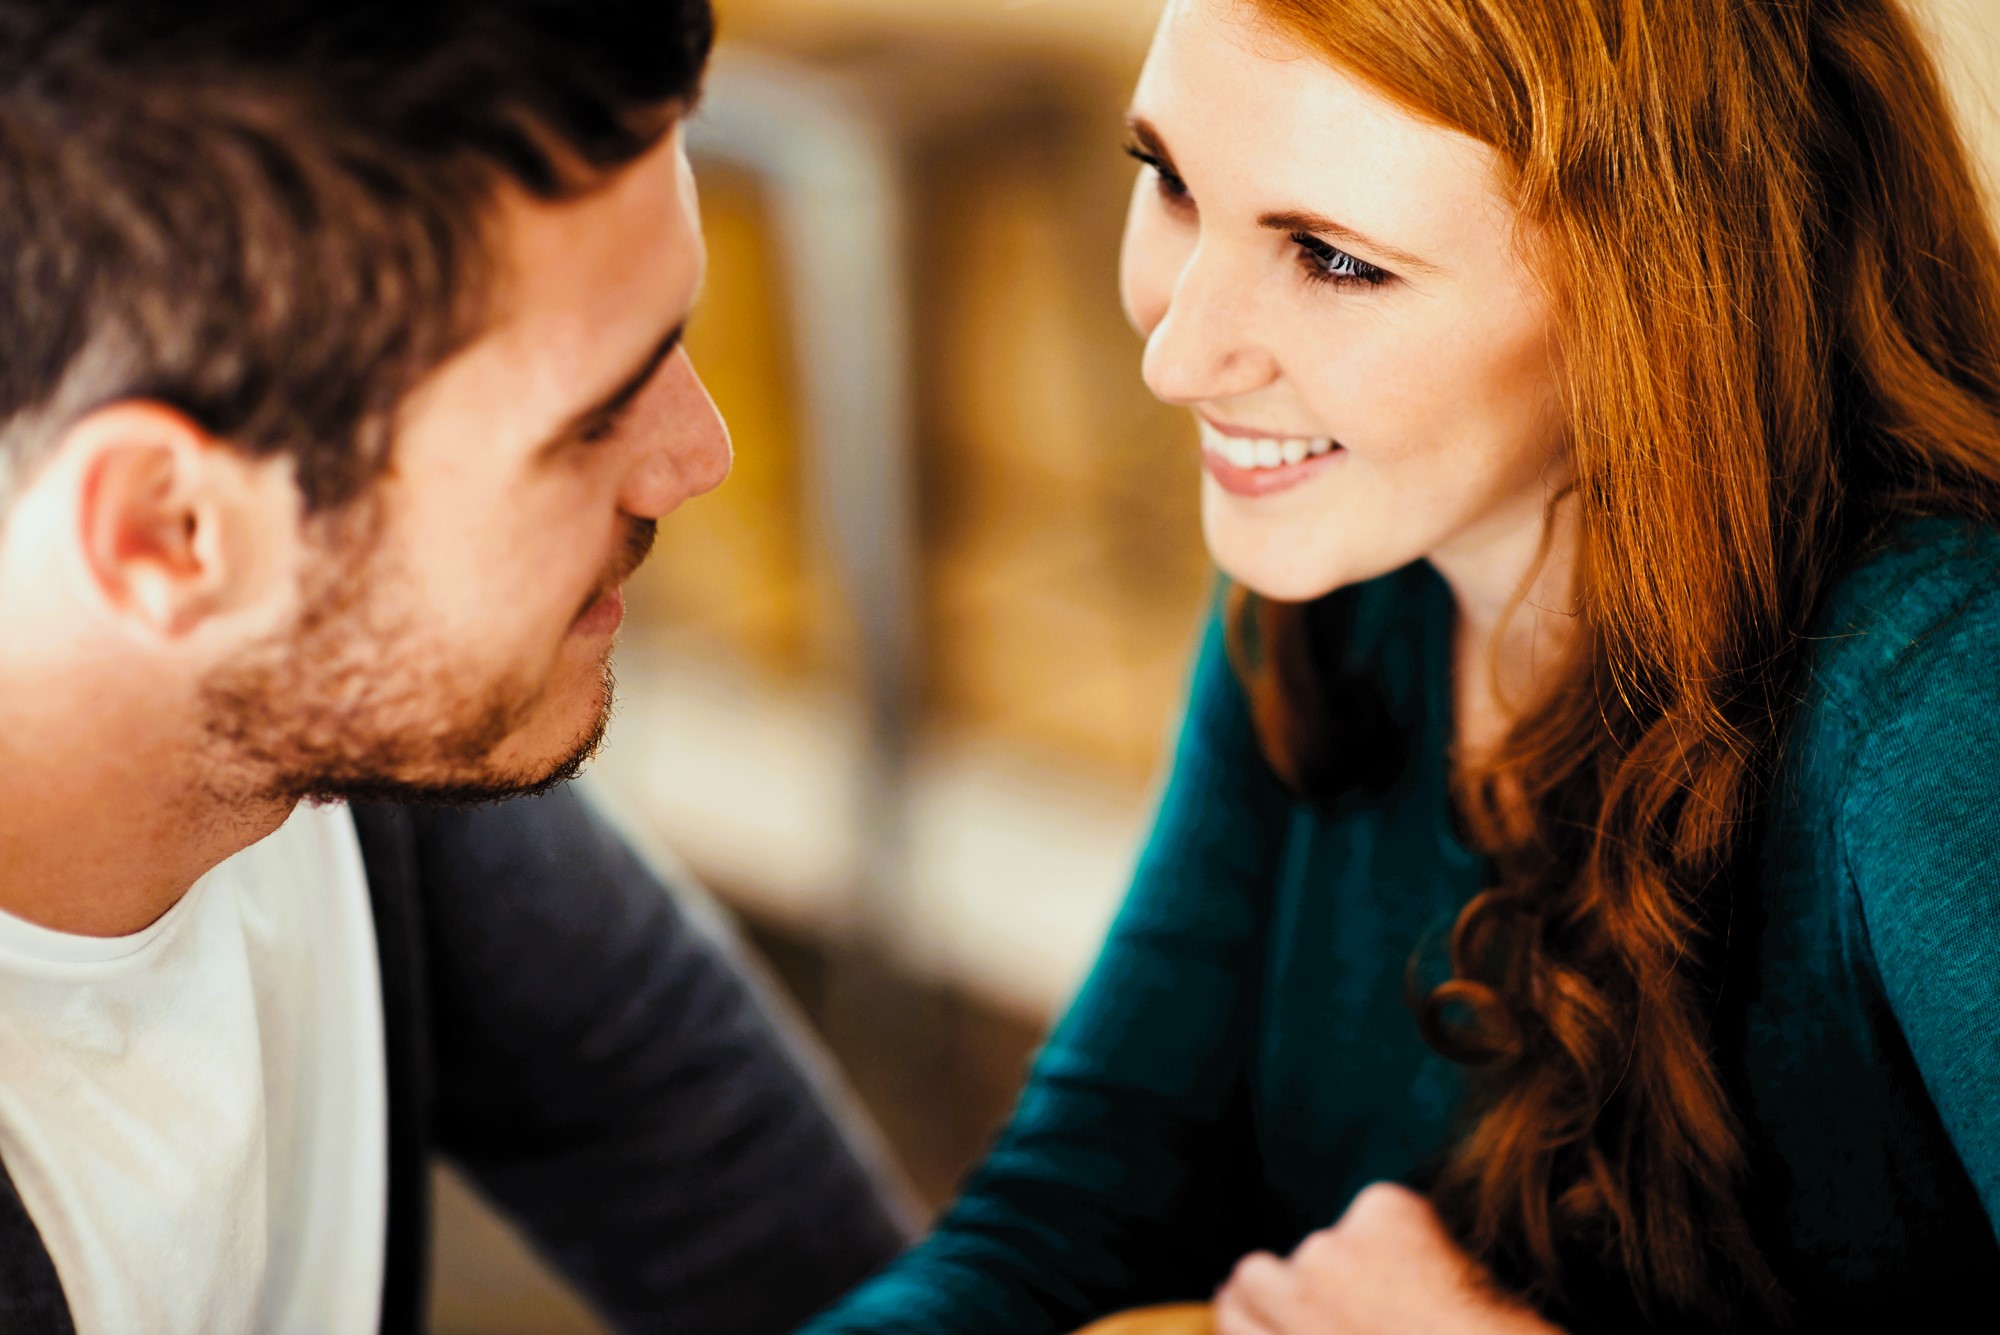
(1299, 556)
(1277, 574)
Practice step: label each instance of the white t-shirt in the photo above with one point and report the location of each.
(196, 1115)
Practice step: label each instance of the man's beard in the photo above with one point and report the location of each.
(354, 703)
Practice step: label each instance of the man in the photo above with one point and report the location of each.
(341, 390)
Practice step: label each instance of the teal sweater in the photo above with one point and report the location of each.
(1241, 1060)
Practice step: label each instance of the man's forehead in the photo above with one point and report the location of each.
(586, 288)
(628, 252)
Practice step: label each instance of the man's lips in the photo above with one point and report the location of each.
(606, 608)
(603, 615)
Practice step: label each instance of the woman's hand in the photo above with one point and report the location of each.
(1387, 1268)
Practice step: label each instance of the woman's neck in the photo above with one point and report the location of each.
(1516, 618)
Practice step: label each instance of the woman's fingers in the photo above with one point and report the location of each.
(1258, 1299)
(1389, 1267)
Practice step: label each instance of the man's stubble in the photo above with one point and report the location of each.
(356, 703)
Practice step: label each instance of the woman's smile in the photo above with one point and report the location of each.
(1245, 463)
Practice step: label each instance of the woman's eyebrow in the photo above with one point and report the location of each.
(1293, 220)
(1151, 143)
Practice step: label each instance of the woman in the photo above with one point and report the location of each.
(1585, 816)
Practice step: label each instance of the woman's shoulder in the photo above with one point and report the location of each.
(1910, 781)
(1916, 616)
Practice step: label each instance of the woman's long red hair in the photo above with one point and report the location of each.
(1778, 297)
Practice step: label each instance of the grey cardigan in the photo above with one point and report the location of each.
(601, 1069)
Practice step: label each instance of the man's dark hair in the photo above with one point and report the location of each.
(272, 214)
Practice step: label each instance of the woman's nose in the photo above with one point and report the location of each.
(1206, 348)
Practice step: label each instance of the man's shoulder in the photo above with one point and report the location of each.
(433, 845)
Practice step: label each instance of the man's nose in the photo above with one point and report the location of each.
(688, 454)
(1204, 350)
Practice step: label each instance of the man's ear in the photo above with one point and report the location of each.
(175, 526)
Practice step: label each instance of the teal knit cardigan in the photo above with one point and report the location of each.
(1241, 1060)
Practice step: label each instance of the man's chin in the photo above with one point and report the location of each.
(453, 790)
(355, 702)
(522, 765)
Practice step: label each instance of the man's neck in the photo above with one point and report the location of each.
(106, 821)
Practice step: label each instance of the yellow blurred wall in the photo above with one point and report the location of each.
(1967, 34)
(1062, 560)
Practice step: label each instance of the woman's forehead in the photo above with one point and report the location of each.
(1258, 124)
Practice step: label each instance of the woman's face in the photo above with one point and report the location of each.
(1335, 287)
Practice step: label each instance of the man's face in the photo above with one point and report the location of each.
(455, 624)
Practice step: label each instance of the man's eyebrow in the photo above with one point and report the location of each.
(1293, 220)
(606, 408)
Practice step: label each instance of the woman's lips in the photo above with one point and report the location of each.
(602, 617)
(1225, 455)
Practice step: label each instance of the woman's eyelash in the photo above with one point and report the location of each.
(1322, 261)
(1172, 188)
(1327, 263)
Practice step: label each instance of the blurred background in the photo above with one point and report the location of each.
(899, 691)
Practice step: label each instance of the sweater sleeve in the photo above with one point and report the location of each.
(1921, 827)
(1119, 1179)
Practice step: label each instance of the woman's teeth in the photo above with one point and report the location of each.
(1264, 451)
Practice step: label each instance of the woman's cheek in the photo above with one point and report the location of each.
(1155, 250)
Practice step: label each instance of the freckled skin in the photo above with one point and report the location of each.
(1439, 385)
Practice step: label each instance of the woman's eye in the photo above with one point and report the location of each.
(1172, 189)
(1327, 263)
